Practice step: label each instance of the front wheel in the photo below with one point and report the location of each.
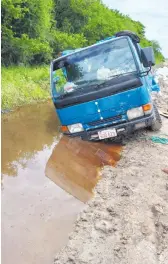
(157, 122)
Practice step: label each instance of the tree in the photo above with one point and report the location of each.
(26, 26)
(35, 31)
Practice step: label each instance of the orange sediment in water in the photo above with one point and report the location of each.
(75, 164)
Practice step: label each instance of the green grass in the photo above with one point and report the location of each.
(23, 85)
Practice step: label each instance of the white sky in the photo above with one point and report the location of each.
(153, 14)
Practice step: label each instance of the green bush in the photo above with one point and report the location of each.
(62, 41)
(33, 32)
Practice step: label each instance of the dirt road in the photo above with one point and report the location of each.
(127, 220)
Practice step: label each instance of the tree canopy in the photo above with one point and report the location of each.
(34, 32)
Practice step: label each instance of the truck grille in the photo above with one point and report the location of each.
(106, 120)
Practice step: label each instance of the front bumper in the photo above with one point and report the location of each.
(122, 129)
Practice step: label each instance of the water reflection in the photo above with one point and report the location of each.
(74, 165)
(25, 132)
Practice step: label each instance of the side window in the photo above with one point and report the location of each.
(74, 72)
(59, 78)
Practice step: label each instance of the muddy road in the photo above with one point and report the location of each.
(46, 179)
(126, 222)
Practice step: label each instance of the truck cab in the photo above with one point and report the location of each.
(104, 90)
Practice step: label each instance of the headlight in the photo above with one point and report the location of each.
(75, 128)
(135, 113)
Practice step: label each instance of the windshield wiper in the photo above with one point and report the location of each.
(115, 76)
(122, 74)
(61, 96)
(79, 89)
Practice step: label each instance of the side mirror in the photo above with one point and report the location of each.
(147, 56)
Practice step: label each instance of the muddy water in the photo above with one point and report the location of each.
(74, 165)
(42, 173)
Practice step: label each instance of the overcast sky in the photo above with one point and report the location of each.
(152, 13)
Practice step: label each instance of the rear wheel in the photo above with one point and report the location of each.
(157, 122)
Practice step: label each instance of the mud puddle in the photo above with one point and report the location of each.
(37, 214)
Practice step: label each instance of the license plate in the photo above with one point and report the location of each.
(108, 133)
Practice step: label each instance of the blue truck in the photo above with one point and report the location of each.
(104, 90)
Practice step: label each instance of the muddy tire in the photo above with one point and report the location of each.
(157, 122)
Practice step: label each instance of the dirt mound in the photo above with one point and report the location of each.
(162, 98)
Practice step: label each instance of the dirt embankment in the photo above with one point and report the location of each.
(127, 220)
(162, 98)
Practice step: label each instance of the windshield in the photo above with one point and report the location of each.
(93, 66)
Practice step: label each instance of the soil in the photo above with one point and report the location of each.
(127, 220)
